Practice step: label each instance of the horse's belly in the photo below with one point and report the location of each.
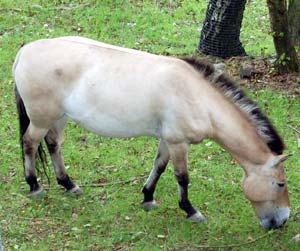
(110, 107)
(109, 119)
(109, 126)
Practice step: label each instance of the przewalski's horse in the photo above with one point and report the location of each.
(120, 92)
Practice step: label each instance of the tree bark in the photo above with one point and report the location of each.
(220, 35)
(294, 21)
(287, 60)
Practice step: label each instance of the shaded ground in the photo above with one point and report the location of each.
(259, 73)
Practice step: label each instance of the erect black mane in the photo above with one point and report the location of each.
(231, 90)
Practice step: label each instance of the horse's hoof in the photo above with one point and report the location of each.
(197, 217)
(75, 191)
(149, 205)
(38, 194)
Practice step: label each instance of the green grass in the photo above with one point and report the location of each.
(109, 217)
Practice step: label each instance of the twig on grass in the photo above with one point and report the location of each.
(296, 215)
(115, 182)
(295, 129)
(297, 134)
(103, 184)
(11, 9)
(39, 219)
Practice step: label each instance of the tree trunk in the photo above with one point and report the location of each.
(287, 60)
(294, 21)
(220, 35)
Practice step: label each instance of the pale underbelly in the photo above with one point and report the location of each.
(111, 126)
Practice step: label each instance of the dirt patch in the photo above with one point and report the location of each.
(259, 73)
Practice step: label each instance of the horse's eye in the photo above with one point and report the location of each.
(281, 184)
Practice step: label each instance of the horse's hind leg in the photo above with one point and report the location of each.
(179, 156)
(54, 139)
(31, 141)
(160, 163)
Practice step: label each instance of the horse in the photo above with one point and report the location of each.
(118, 92)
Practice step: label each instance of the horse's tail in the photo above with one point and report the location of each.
(24, 122)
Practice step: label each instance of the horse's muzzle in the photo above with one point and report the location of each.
(275, 219)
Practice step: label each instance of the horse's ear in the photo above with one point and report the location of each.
(279, 159)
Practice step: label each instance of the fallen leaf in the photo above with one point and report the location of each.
(296, 238)
(161, 236)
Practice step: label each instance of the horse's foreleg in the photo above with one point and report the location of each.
(179, 156)
(160, 163)
(54, 139)
(31, 141)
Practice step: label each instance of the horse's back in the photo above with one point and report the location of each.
(62, 62)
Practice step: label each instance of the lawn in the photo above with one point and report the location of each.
(112, 171)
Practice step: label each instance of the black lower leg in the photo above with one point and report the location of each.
(32, 182)
(148, 194)
(184, 203)
(66, 182)
(148, 189)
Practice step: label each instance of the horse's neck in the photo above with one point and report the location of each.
(233, 131)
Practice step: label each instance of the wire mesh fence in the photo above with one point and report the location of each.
(220, 35)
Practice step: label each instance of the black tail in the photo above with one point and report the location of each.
(23, 125)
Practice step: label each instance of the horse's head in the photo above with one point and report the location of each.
(266, 188)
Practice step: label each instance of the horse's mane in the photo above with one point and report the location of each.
(232, 91)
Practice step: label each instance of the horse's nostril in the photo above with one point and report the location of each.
(273, 223)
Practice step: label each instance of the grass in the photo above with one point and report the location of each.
(109, 217)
